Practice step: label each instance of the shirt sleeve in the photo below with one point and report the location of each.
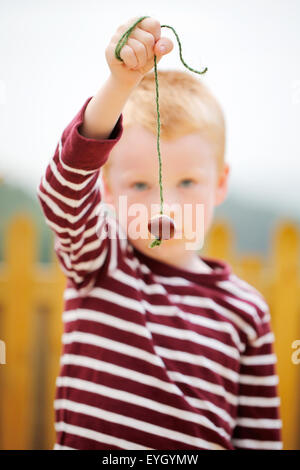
(70, 197)
(258, 422)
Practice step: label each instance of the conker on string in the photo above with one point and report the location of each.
(162, 226)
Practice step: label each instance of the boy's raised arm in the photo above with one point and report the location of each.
(104, 109)
(70, 197)
(69, 192)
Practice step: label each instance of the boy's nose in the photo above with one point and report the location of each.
(169, 213)
(172, 213)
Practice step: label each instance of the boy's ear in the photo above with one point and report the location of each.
(222, 185)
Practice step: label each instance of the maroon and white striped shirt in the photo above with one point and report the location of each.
(153, 356)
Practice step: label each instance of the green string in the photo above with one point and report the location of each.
(118, 48)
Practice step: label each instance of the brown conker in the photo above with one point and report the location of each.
(162, 226)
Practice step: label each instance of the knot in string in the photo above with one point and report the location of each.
(122, 41)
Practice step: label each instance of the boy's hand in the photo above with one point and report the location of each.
(138, 52)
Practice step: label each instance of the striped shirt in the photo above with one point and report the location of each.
(153, 356)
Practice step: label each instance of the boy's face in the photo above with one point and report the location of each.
(189, 177)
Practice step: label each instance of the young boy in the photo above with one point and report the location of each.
(162, 348)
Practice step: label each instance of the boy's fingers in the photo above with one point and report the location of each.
(165, 43)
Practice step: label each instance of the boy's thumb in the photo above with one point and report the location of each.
(163, 46)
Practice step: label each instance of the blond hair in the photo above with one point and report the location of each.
(186, 105)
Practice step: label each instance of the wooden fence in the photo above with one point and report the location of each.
(31, 304)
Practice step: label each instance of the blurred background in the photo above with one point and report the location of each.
(52, 59)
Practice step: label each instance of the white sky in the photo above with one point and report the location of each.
(52, 58)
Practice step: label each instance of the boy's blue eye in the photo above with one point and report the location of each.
(140, 184)
(188, 179)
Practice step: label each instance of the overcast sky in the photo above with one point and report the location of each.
(52, 58)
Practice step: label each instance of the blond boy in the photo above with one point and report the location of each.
(162, 348)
